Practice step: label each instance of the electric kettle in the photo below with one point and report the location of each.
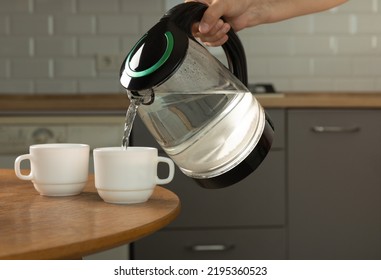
(200, 112)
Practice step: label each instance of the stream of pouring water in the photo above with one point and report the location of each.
(130, 117)
(145, 97)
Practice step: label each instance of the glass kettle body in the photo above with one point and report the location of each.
(200, 113)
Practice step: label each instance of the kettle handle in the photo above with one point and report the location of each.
(185, 14)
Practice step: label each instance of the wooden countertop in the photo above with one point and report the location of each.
(13, 103)
(321, 100)
(39, 227)
(63, 102)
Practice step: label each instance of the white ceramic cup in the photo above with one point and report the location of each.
(126, 176)
(56, 169)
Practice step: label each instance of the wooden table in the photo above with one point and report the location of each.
(38, 227)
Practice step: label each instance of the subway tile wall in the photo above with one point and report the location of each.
(337, 50)
(77, 46)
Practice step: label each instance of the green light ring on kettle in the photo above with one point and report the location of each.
(158, 64)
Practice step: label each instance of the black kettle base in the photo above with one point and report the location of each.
(247, 166)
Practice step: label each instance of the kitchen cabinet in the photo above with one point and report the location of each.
(334, 184)
(215, 244)
(316, 196)
(243, 221)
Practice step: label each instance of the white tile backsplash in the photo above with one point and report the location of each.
(313, 45)
(74, 68)
(15, 46)
(56, 46)
(59, 86)
(4, 68)
(98, 6)
(4, 25)
(369, 23)
(290, 66)
(100, 85)
(317, 84)
(361, 6)
(270, 45)
(31, 25)
(15, 6)
(332, 66)
(367, 67)
(74, 24)
(31, 68)
(15, 86)
(258, 67)
(142, 6)
(357, 45)
(295, 26)
(358, 84)
(98, 45)
(118, 24)
(378, 82)
(54, 7)
(51, 46)
(327, 23)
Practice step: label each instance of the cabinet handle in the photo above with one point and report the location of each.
(211, 248)
(335, 129)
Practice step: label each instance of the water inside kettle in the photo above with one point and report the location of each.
(203, 130)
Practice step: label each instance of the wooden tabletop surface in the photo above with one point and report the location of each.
(39, 227)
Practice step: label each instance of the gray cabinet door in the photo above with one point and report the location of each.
(246, 220)
(334, 183)
(212, 244)
(258, 200)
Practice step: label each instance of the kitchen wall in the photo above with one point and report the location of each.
(76, 46)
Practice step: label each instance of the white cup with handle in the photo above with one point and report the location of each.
(128, 175)
(59, 169)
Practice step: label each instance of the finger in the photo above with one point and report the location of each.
(211, 16)
(217, 39)
(218, 43)
(216, 29)
(195, 29)
(201, 1)
(218, 35)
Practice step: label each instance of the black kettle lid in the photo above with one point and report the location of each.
(155, 57)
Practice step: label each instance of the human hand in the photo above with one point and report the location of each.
(240, 14)
(212, 30)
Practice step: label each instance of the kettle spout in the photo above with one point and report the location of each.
(145, 97)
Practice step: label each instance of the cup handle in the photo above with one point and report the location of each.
(18, 161)
(171, 172)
